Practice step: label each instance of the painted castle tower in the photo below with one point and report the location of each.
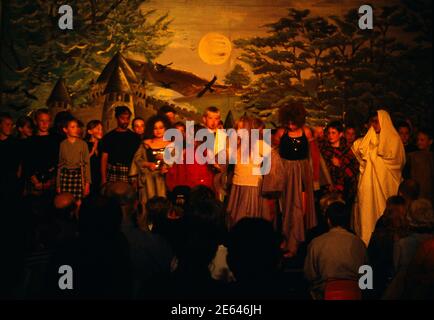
(59, 99)
(118, 85)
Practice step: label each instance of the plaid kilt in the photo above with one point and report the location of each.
(117, 172)
(71, 182)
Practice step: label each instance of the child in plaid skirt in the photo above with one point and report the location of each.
(73, 168)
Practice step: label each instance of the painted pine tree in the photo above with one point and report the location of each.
(37, 52)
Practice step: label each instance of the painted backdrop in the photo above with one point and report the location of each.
(240, 55)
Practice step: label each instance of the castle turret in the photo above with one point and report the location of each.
(118, 85)
(117, 92)
(59, 99)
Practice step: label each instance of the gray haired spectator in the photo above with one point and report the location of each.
(335, 255)
(421, 225)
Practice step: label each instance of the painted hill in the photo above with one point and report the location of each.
(186, 83)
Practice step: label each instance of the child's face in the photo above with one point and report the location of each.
(423, 141)
(318, 132)
(96, 132)
(212, 120)
(171, 116)
(159, 129)
(404, 133)
(181, 129)
(43, 122)
(350, 135)
(139, 127)
(26, 131)
(72, 130)
(6, 126)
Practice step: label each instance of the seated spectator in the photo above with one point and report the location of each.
(16, 230)
(162, 243)
(150, 254)
(65, 249)
(200, 193)
(421, 227)
(254, 256)
(218, 267)
(409, 189)
(164, 229)
(390, 228)
(164, 223)
(179, 198)
(420, 274)
(105, 268)
(203, 231)
(125, 195)
(336, 255)
(64, 215)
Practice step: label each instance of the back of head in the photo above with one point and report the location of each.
(253, 249)
(409, 189)
(421, 216)
(99, 215)
(338, 215)
(122, 192)
(395, 201)
(64, 207)
(200, 193)
(204, 231)
(394, 214)
(328, 199)
(180, 197)
(157, 210)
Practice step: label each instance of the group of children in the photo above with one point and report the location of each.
(305, 163)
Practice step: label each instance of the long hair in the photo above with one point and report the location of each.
(292, 112)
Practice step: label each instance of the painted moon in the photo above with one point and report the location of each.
(214, 48)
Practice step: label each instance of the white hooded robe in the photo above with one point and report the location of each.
(382, 158)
